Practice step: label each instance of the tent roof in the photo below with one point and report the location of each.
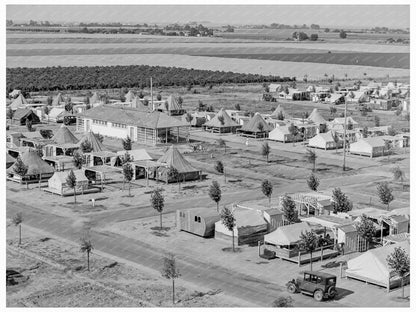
(327, 136)
(288, 234)
(247, 217)
(279, 109)
(138, 154)
(9, 159)
(316, 117)
(228, 122)
(172, 104)
(373, 142)
(369, 212)
(282, 129)
(55, 111)
(253, 123)
(18, 102)
(21, 113)
(373, 265)
(64, 135)
(152, 120)
(95, 98)
(341, 120)
(97, 146)
(399, 212)
(175, 159)
(62, 175)
(129, 96)
(35, 164)
(138, 105)
(328, 221)
(58, 99)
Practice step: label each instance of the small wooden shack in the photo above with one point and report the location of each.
(200, 222)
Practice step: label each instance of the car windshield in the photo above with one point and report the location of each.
(331, 281)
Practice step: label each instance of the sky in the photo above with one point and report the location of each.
(354, 16)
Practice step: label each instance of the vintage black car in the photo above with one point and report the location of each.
(318, 284)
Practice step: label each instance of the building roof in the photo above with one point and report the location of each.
(279, 109)
(215, 122)
(9, 159)
(55, 112)
(133, 117)
(316, 117)
(138, 154)
(328, 221)
(372, 141)
(175, 159)
(253, 124)
(288, 234)
(171, 104)
(341, 121)
(369, 212)
(64, 136)
(35, 164)
(97, 146)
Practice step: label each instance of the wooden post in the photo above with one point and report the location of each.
(340, 269)
(101, 175)
(299, 258)
(258, 243)
(322, 253)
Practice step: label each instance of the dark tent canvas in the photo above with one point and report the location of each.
(35, 164)
(23, 114)
(97, 146)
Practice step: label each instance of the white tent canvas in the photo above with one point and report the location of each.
(287, 235)
(138, 154)
(57, 183)
(323, 140)
(281, 134)
(372, 265)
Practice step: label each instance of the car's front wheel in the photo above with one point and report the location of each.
(291, 288)
(318, 295)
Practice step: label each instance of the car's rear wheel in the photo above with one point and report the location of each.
(332, 292)
(291, 288)
(318, 295)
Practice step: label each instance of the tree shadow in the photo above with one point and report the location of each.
(230, 249)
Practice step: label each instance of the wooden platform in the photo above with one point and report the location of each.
(304, 258)
(71, 193)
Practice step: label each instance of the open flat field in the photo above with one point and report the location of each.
(315, 71)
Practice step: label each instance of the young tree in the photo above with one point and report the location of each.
(280, 116)
(170, 271)
(294, 131)
(20, 168)
(71, 181)
(385, 193)
(221, 120)
(46, 112)
(222, 143)
(265, 150)
(17, 221)
(78, 159)
(388, 148)
(86, 246)
(215, 193)
(308, 242)
(127, 144)
(10, 114)
(311, 157)
(237, 107)
(29, 125)
(376, 121)
(267, 189)
(99, 137)
(313, 182)
(128, 173)
(228, 219)
(365, 132)
(399, 262)
(398, 174)
(340, 201)
(46, 133)
(159, 97)
(158, 203)
(260, 127)
(180, 100)
(289, 209)
(173, 173)
(86, 146)
(219, 167)
(366, 229)
(188, 118)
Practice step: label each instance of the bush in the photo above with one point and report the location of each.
(283, 302)
(314, 37)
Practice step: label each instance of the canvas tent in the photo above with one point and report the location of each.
(129, 96)
(37, 168)
(54, 113)
(273, 87)
(58, 100)
(279, 109)
(197, 221)
(95, 99)
(336, 98)
(371, 147)
(9, 160)
(64, 135)
(281, 134)
(287, 235)
(256, 127)
(57, 183)
(21, 115)
(137, 154)
(139, 105)
(19, 102)
(226, 126)
(323, 141)
(316, 117)
(371, 266)
(97, 146)
(250, 227)
(171, 106)
(173, 158)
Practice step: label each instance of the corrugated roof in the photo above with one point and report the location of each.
(133, 117)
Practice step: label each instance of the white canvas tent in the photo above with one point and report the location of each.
(57, 183)
(281, 134)
(372, 266)
(371, 147)
(288, 234)
(137, 154)
(323, 140)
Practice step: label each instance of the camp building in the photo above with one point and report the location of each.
(221, 123)
(200, 221)
(256, 127)
(148, 128)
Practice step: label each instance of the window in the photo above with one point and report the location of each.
(196, 219)
(314, 278)
(319, 279)
(307, 277)
(199, 219)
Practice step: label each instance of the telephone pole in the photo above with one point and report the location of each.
(345, 134)
(151, 93)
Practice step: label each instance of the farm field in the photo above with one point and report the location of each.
(315, 71)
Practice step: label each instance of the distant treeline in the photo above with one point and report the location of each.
(103, 77)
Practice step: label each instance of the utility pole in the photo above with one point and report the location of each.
(345, 134)
(151, 93)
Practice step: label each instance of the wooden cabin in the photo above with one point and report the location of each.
(200, 222)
